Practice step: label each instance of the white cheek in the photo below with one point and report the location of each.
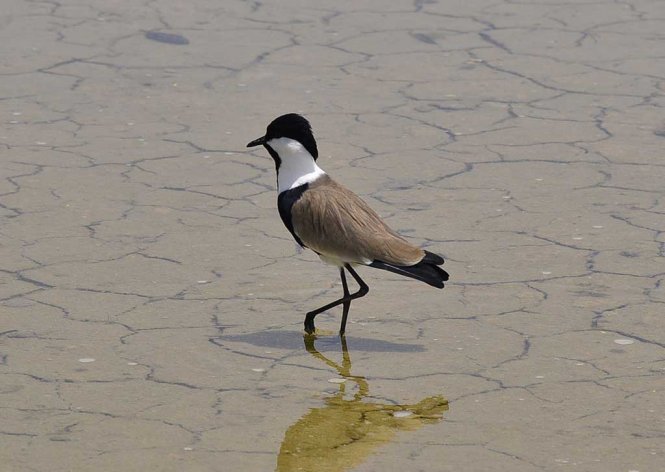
(286, 147)
(297, 167)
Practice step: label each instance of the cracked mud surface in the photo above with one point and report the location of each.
(151, 302)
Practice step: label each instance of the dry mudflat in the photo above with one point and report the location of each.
(151, 301)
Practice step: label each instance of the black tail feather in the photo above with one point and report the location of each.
(432, 258)
(426, 270)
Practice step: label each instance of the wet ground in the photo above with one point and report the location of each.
(152, 301)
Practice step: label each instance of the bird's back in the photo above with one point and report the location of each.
(336, 223)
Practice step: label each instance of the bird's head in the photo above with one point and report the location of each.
(288, 134)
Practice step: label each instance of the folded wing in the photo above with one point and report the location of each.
(338, 224)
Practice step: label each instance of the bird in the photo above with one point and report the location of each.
(335, 223)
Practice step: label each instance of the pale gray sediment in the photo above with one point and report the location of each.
(151, 301)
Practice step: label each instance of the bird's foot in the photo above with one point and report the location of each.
(310, 330)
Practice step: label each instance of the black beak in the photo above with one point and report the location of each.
(257, 142)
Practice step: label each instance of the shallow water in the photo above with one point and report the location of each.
(151, 301)
(350, 426)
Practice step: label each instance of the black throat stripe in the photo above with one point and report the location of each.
(285, 202)
(276, 158)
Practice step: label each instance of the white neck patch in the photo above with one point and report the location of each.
(298, 167)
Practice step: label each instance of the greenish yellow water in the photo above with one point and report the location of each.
(344, 432)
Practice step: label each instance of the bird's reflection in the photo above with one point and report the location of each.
(344, 432)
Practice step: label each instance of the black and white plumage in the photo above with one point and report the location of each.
(332, 221)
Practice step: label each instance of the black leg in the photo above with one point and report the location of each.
(364, 288)
(347, 304)
(362, 291)
(346, 300)
(309, 318)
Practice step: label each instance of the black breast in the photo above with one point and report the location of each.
(285, 202)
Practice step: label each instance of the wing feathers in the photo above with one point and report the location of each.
(335, 222)
(425, 272)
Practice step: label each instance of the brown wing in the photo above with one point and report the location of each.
(335, 222)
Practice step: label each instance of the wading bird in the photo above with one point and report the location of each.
(332, 221)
